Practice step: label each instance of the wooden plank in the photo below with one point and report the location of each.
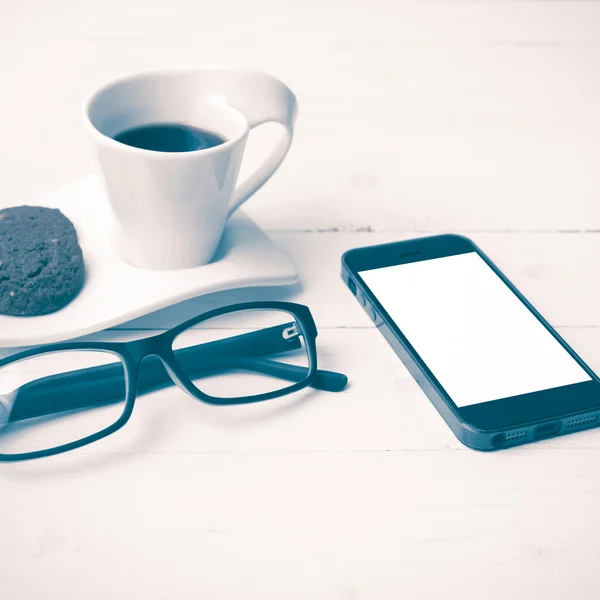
(382, 409)
(557, 273)
(320, 525)
(434, 22)
(469, 116)
(414, 116)
(364, 493)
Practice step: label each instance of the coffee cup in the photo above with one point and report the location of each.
(171, 203)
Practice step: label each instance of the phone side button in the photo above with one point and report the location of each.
(361, 298)
(373, 314)
(352, 286)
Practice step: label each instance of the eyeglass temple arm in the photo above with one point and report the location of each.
(329, 381)
(250, 350)
(95, 386)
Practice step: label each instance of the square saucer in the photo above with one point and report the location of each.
(116, 292)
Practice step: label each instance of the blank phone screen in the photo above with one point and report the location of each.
(475, 335)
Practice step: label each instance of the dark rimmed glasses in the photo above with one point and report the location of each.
(62, 396)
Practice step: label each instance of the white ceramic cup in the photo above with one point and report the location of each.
(171, 207)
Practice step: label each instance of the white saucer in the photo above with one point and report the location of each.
(115, 291)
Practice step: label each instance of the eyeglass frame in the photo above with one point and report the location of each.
(132, 353)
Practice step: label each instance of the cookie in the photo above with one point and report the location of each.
(41, 263)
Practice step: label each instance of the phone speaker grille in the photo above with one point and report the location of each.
(511, 436)
(581, 421)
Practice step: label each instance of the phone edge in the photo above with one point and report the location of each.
(468, 434)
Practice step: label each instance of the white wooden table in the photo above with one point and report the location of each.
(415, 117)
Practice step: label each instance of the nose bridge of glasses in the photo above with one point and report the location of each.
(154, 345)
(154, 371)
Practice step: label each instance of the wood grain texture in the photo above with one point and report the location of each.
(477, 117)
(318, 525)
(558, 273)
(413, 115)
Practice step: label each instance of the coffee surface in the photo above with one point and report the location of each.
(169, 137)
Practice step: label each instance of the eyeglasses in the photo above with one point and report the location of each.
(62, 396)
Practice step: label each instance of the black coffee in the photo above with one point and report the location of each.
(169, 137)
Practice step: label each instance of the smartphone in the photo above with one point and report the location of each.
(495, 370)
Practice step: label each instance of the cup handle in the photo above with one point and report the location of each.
(262, 98)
